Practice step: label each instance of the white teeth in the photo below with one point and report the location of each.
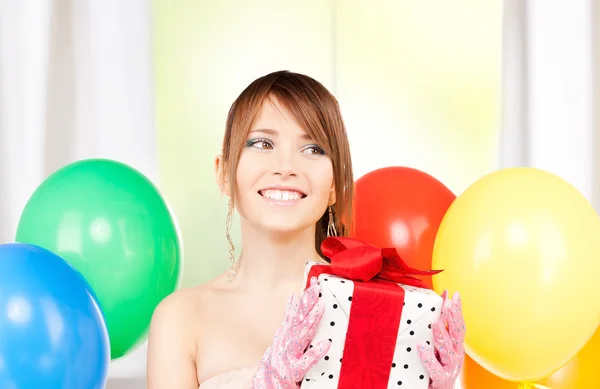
(284, 195)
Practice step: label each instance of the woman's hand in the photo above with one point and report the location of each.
(287, 360)
(445, 359)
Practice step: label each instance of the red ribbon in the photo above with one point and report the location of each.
(358, 261)
(376, 310)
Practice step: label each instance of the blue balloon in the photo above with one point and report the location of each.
(52, 331)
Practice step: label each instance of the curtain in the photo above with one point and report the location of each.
(550, 90)
(75, 83)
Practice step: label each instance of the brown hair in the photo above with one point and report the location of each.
(318, 112)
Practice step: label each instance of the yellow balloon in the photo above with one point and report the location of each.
(522, 246)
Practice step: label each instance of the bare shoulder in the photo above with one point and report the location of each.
(173, 338)
(179, 304)
(182, 311)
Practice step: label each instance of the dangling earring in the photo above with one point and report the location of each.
(231, 272)
(331, 231)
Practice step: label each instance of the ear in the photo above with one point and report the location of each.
(332, 197)
(221, 175)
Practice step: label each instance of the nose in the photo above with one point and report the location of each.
(285, 163)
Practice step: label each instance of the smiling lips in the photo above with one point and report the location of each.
(282, 196)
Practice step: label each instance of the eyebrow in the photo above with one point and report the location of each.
(272, 132)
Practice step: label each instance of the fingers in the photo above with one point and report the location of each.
(456, 324)
(309, 298)
(442, 343)
(446, 307)
(309, 328)
(298, 310)
(312, 356)
(304, 322)
(449, 342)
(316, 353)
(440, 376)
(430, 362)
(285, 362)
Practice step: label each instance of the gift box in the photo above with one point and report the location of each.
(377, 311)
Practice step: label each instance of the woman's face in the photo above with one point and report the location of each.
(284, 180)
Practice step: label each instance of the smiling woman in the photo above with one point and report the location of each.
(282, 168)
(281, 123)
(285, 165)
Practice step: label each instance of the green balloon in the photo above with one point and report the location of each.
(110, 223)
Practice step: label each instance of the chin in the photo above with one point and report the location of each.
(279, 222)
(284, 227)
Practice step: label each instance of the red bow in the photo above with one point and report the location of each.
(358, 261)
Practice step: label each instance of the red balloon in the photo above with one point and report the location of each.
(401, 207)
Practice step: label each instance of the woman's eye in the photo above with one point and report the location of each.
(264, 144)
(315, 150)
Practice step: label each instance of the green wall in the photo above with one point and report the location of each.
(418, 82)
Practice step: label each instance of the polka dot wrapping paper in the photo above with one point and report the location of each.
(374, 331)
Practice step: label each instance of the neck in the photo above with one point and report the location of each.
(274, 261)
